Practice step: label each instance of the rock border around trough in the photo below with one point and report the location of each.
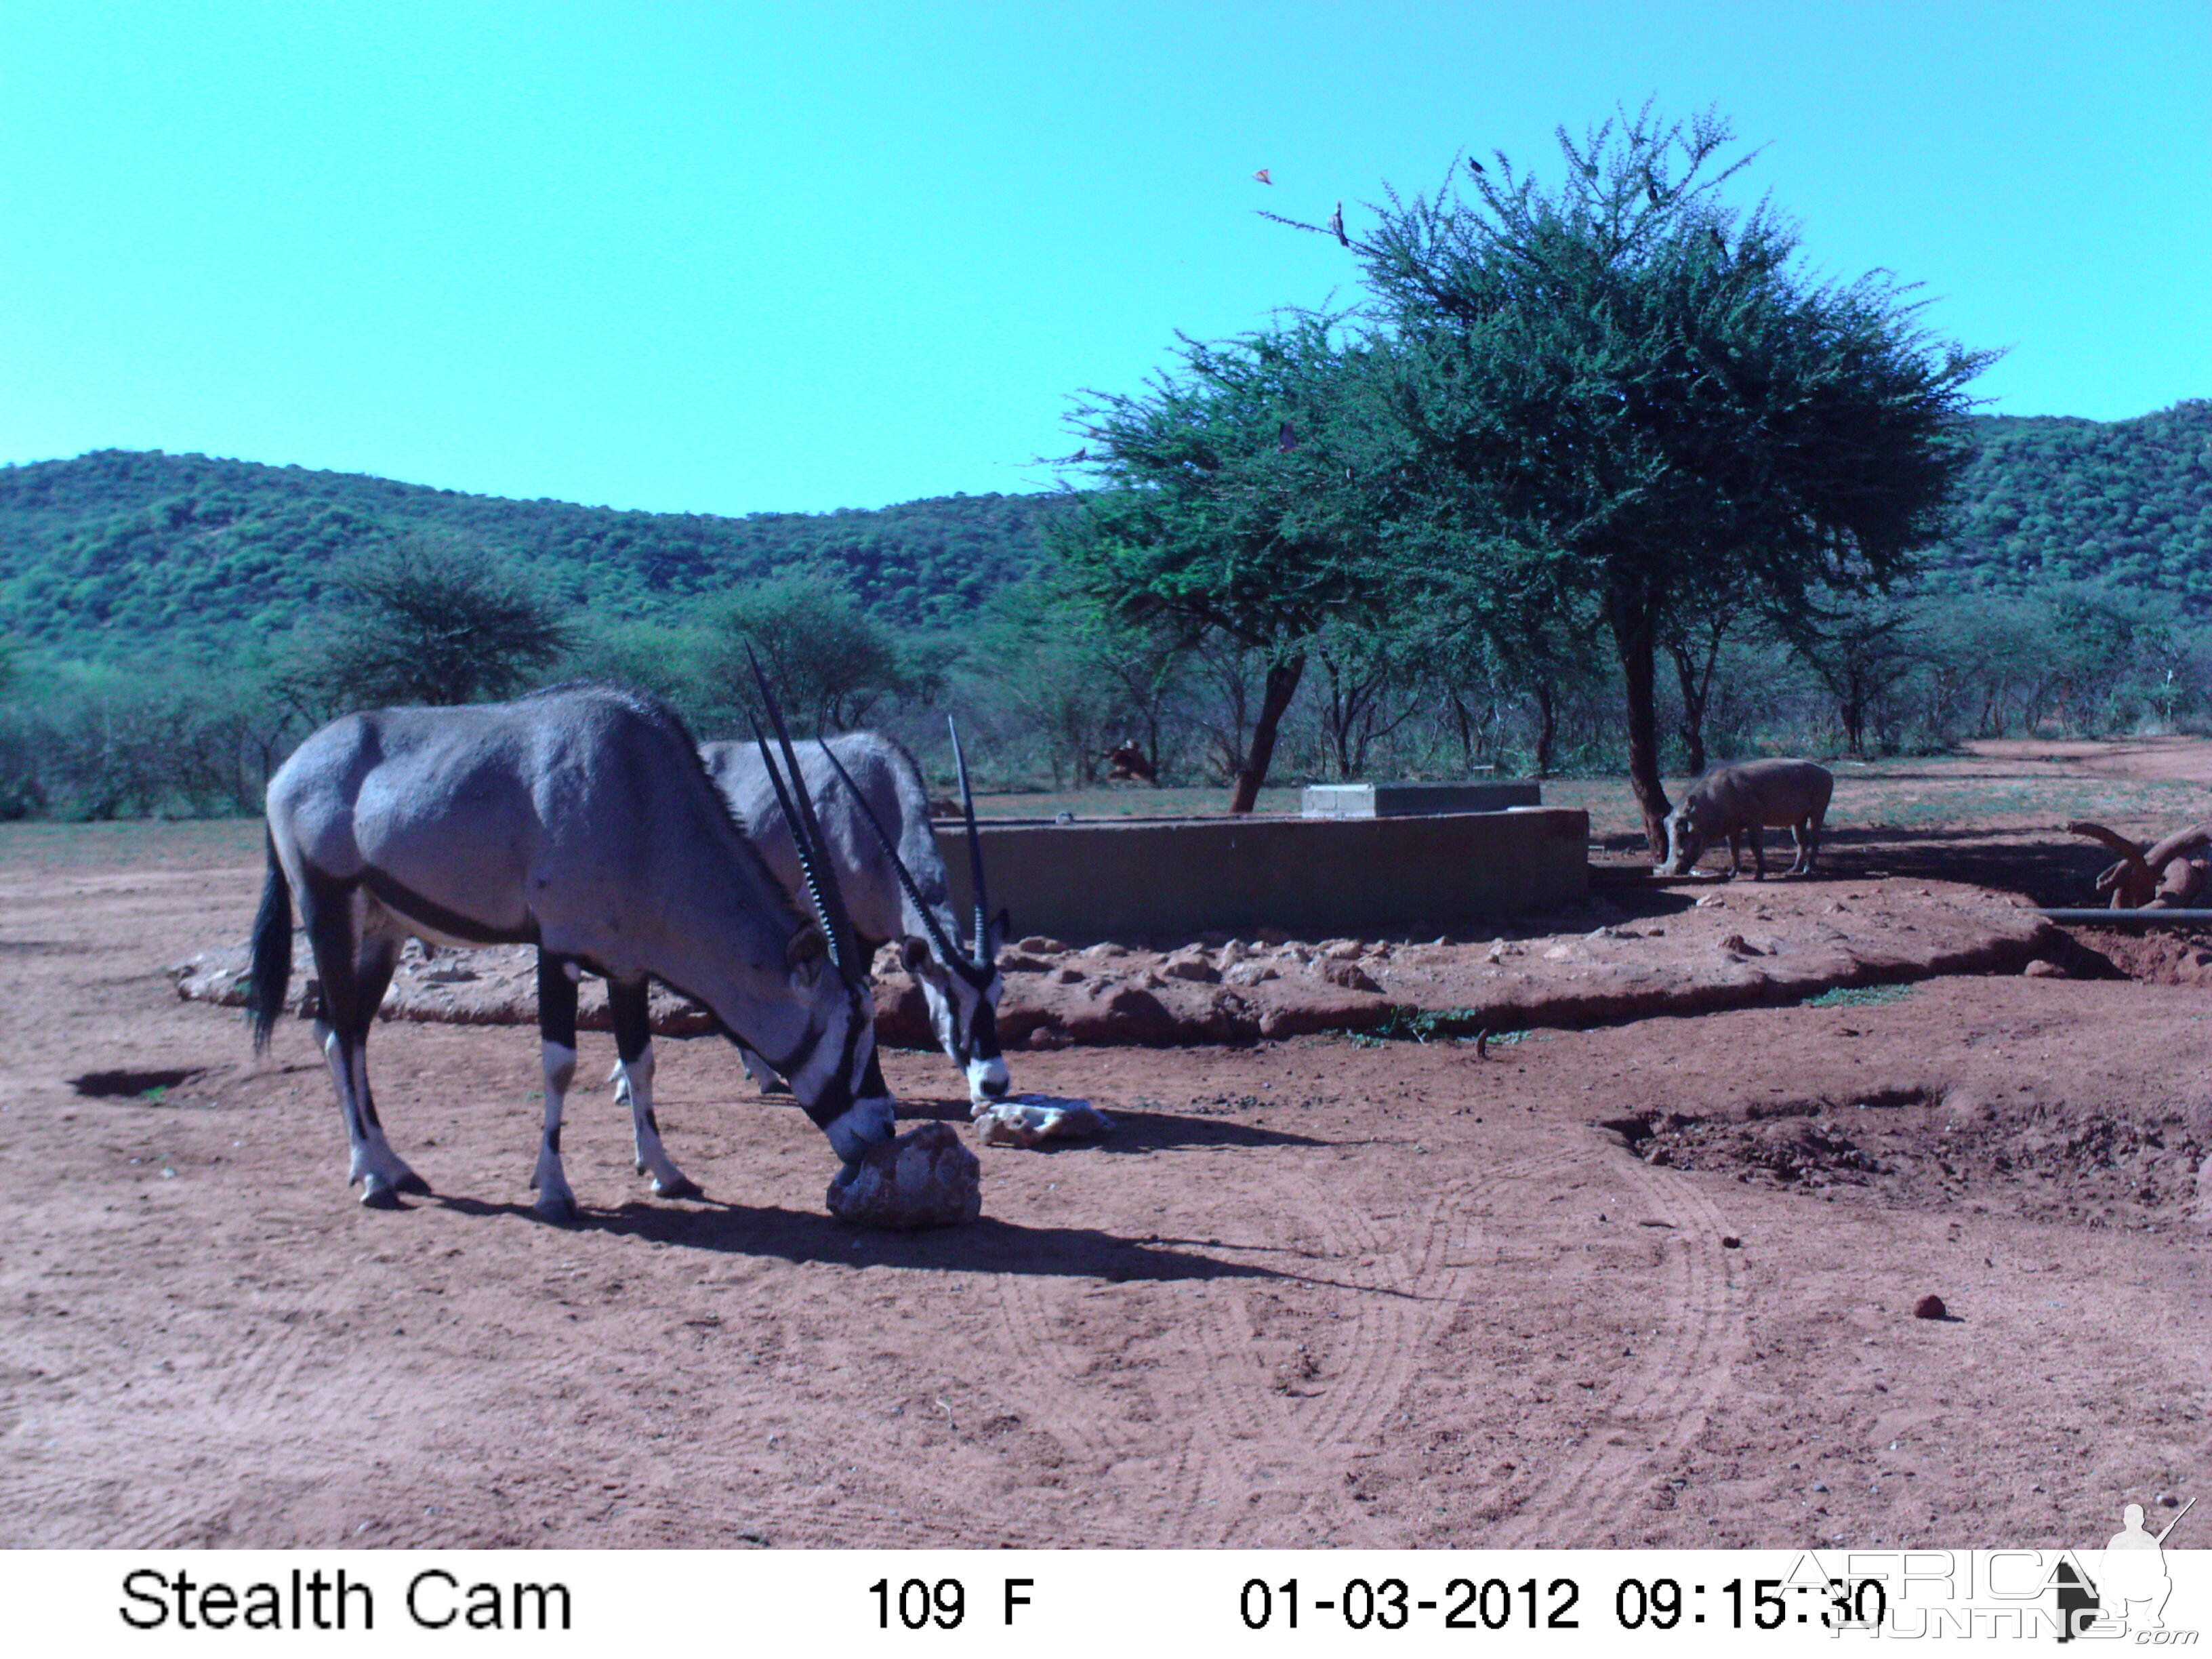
(1741, 945)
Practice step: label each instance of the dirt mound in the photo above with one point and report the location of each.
(2178, 955)
(2050, 1162)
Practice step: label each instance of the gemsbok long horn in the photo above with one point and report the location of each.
(975, 848)
(951, 952)
(814, 861)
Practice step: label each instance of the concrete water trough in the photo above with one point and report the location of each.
(1313, 878)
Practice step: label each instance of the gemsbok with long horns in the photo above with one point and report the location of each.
(874, 810)
(579, 820)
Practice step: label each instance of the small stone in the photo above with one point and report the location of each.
(927, 1178)
(1349, 975)
(1191, 965)
(2041, 970)
(1930, 1307)
(1730, 1241)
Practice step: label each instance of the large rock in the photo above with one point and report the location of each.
(927, 1178)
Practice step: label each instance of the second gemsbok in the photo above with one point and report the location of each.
(874, 810)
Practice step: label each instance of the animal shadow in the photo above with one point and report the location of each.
(986, 1246)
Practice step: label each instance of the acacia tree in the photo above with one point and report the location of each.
(830, 663)
(1234, 504)
(1649, 402)
(430, 619)
(1861, 651)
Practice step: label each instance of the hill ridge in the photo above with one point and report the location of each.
(101, 551)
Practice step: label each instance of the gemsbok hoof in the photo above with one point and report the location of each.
(559, 1211)
(378, 1194)
(685, 1187)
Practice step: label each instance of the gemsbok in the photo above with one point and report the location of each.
(874, 811)
(582, 821)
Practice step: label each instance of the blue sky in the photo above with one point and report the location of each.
(739, 257)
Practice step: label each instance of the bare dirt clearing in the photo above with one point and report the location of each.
(1650, 1282)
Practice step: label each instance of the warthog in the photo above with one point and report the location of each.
(1740, 800)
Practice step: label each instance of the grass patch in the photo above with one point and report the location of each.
(1432, 1025)
(1858, 996)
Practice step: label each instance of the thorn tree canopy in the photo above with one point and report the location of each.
(1235, 501)
(431, 618)
(1650, 402)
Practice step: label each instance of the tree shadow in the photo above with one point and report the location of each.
(2047, 868)
(2052, 872)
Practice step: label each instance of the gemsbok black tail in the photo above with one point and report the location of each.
(270, 975)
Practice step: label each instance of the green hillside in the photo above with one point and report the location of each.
(100, 553)
(2051, 500)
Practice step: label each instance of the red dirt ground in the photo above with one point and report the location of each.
(1646, 1283)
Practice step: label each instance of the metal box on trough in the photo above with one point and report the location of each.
(1401, 801)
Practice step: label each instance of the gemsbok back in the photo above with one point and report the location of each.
(578, 820)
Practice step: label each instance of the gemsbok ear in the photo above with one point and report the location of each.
(913, 953)
(805, 953)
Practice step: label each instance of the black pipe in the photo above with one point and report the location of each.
(2084, 918)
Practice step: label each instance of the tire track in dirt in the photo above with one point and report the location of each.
(162, 1478)
(1684, 1370)
(1057, 1395)
(1419, 1281)
(1239, 1430)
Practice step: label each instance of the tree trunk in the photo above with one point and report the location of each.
(1339, 717)
(1696, 691)
(1629, 618)
(1465, 722)
(1547, 727)
(1282, 685)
